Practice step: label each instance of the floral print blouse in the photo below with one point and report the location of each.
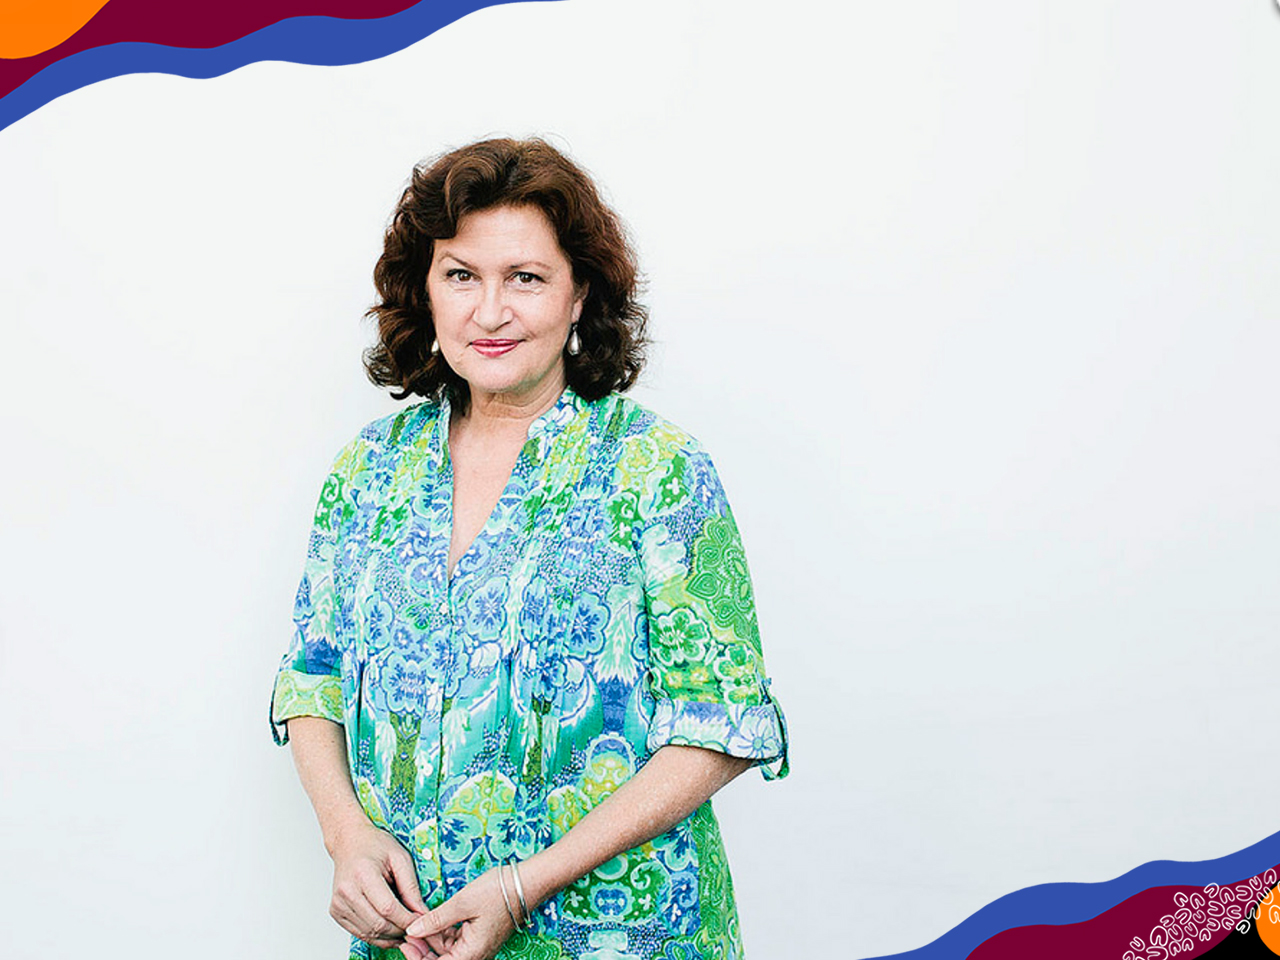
(604, 610)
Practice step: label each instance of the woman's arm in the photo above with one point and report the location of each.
(675, 782)
(671, 785)
(375, 885)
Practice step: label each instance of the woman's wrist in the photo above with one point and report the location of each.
(320, 753)
(338, 825)
(544, 875)
(668, 788)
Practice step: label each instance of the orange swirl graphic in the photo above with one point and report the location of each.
(29, 27)
(1269, 921)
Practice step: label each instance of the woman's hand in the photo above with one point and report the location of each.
(482, 915)
(669, 787)
(375, 887)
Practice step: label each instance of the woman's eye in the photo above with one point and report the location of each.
(525, 278)
(457, 273)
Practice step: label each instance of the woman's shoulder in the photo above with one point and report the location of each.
(386, 435)
(636, 425)
(402, 426)
(661, 467)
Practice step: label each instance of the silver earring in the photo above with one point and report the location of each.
(574, 346)
(435, 347)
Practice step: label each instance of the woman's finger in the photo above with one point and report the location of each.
(357, 923)
(345, 916)
(438, 943)
(440, 919)
(374, 923)
(386, 905)
(405, 876)
(468, 946)
(425, 948)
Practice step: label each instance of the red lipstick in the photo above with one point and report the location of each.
(493, 348)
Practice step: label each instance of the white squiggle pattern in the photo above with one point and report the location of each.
(1271, 903)
(1197, 916)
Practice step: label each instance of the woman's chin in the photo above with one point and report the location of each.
(492, 378)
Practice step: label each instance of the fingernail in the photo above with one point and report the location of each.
(416, 929)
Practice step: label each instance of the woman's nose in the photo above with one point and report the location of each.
(492, 312)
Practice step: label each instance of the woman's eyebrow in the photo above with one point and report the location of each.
(458, 260)
(538, 264)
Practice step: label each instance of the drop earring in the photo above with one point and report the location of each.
(574, 346)
(435, 346)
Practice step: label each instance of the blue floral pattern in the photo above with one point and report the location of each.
(604, 611)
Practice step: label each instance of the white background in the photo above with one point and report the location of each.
(974, 303)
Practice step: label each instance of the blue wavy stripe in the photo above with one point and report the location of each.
(1062, 903)
(323, 41)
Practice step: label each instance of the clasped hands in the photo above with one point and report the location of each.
(376, 898)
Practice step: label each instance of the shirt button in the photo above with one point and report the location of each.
(444, 606)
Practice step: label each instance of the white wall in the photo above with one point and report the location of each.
(973, 302)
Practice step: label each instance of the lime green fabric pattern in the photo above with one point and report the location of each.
(604, 611)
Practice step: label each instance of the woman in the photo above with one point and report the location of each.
(526, 651)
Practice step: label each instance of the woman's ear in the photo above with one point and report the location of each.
(579, 298)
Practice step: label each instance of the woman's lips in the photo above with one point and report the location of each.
(493, 348)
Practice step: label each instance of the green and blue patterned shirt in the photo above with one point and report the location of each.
(604, 610)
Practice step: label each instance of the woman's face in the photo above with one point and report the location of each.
(503, 298)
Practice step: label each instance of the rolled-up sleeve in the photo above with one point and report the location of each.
(307, 683)
(706, 669)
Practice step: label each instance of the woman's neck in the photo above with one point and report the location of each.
(499, 415)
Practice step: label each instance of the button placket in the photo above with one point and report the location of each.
(444, 491)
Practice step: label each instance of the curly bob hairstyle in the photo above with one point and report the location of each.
(481, 176)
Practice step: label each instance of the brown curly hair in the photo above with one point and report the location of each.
(496, 173)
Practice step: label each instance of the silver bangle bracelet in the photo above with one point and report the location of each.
(524, 907)
(502, 884)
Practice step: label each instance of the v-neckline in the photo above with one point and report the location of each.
(451, 569)
(539, 426)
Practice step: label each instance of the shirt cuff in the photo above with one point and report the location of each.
(298, 694)
(751, 731)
